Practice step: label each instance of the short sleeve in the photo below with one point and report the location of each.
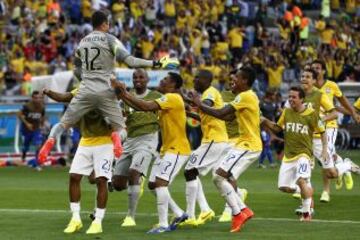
(357, 104)
(281, 121)
(240, 102)
(208, 95)
(337, 91)
(325, 103)
(319, 126)
(117, 48)
(167, 101)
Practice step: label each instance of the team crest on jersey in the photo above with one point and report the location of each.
(297, 128)
(237, 99)
(328, 90)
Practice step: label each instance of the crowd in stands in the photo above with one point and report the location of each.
(38, 37)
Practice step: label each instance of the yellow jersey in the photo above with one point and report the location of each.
(213, 129)
(172, 120)
(331, 90)
(275, 76)
(247, 115)
(357, 104)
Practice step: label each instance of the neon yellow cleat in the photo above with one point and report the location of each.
(128, 222)
(325, 197)
(339, 183)
(73, 226)
(244, 194)
(349, 183)
(95, 228)
(190, 222)
(296, 195)
(205, 216)
(225, 217)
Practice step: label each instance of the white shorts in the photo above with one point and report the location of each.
(331, 134)
(137, 155)
(207, 157)
(236, 161)
(290, 172)
(167, 167)
(97, 158)
(317, 150)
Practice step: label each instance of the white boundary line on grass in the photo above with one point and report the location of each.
(45, 211)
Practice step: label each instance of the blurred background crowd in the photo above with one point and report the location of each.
(38, 37)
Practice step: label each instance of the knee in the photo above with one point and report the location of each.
(134, 177)
(330, 173)
(191, 174)
(75, 178)
(118, 184)
(217, 179)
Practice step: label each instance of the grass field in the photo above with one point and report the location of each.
(34, 205)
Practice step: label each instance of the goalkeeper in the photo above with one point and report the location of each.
(94, 64)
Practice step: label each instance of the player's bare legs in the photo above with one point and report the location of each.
(306, 195)
(74, 197)
(120, 182)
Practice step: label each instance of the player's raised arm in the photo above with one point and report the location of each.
(59, 97)
(132, 101)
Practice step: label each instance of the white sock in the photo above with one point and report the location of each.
(201, 199)
(343, 167)
(75, 209)
(99, 215)
(306, 203)
(227, 190)
(162, 197)
(133, 199)
(175, 208)
(339, 159)
(240, 202)
(191, 193)
(297, 188)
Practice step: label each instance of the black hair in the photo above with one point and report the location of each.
(177, 79)
(299, 90)
(205, 74)
(35, 93)
(313, 73)
(249, 74)
(98, 18)
(321, 62)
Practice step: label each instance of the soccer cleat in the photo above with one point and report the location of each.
(118, 149)
(189, 222)
(225, 217)
(45, 150)
(240, 219)
(306, 217)
(244, 194)
(354, 167)
(248, 212)
(158, 229)
(177, 221)
(95, 228)
(73, 226)
(325, 197)
(299, 211)
(339, 183)
(296, 195)
(128, 222)
(349, 183)
(205, 216)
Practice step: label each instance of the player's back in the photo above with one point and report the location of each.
(97, 60)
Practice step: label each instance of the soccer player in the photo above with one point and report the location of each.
(332, 90)
(32, 117)
(94, 62)
(299, 124)
(139, 147)
(175, 148)
(248, 147)
(94, 153)
(206, 156)
(317, 100)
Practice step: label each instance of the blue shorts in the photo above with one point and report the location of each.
(35, 137)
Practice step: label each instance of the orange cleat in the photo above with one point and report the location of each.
(45, 150)
(240, 219)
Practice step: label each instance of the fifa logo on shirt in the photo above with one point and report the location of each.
(297, 128)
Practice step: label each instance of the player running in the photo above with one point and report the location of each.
(175, 148)
(299, 124)
(248, 147)
(139, 147)
(94, 153)
(206, 157)
(332, 91)
(94, 62)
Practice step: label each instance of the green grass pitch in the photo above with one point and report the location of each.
(34, 205)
